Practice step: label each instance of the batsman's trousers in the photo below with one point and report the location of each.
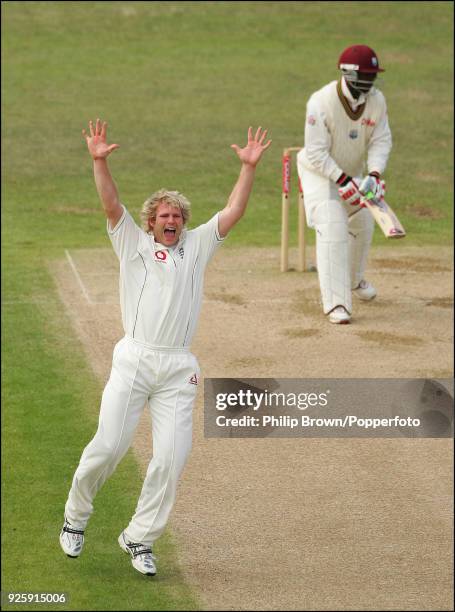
(166, 379)
(343, 238)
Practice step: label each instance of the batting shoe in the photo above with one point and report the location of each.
(71, 540)
(339, 315)
(142, 558)
(365, 291)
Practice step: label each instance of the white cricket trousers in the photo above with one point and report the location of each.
(343, 238)
(165, 379)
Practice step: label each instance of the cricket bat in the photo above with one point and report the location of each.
(381, 211)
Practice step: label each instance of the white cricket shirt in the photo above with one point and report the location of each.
(161, 287)
(340, 139)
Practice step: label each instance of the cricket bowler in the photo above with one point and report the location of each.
(162, 267)
(347, 134)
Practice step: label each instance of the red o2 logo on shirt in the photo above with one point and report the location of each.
(161, 255)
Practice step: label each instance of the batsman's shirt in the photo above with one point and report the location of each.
(161, 287)
(339, 139)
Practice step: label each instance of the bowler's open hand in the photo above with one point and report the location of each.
(96, 141)
(252, 153)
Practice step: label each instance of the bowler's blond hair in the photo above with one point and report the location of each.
(173, 198)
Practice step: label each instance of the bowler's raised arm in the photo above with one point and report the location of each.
(250, 156)
(100, 150)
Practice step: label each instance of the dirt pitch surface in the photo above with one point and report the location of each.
(302, 524)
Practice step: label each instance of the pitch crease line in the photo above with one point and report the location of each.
(78, 278)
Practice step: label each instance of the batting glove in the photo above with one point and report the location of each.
(379, 186)
(348, 190)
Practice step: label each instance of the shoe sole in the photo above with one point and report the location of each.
(144, 573)
(365, 299)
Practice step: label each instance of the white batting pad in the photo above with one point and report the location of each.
(332, 249)
(361, 227)
(317, 189)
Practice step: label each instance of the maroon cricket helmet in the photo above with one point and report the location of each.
(359, 58)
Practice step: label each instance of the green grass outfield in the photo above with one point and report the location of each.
(178, 82)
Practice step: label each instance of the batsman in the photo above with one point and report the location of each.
(347, 135)
(162, 267)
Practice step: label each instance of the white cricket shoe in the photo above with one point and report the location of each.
(142, 558)
(71, 539)
(364, 291)
(339, 315)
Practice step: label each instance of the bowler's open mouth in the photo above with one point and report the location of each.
(170, 232)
